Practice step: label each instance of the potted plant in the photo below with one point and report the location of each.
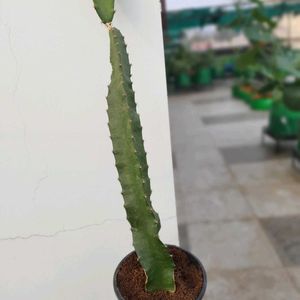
(203, 70)
(182, 67)
(243, 87)
(218, 67)
(278, 70)
(292, 101)
(272, 63)
(257, 28)
(154, 270)
(225, 65)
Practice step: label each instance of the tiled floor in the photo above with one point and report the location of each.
(238, 201)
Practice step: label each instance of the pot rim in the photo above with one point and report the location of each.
(194, 259)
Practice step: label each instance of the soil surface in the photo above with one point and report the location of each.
(189, 279)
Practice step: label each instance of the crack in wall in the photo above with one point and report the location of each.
(62, 231)
(38, 185)
(16, 86)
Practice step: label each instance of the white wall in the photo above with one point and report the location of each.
(62, 224)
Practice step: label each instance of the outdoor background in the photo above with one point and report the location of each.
(235, 143)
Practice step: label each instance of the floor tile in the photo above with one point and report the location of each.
(234, 118)
(225, 181)
(295, 275)
(210, 95)
(255, 284)
(277, 171)
(193, 155)
(183, 236)
(217, 99)
(284, 233)
(187, 126)
(215, 109)
(204, 95)
(232, 245)
(236, 134)
(202, 137)
(174, 160)
(206, 178)
(214, 205)
(252, 153)
(274, 200)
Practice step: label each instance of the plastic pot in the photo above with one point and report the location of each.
(243, 92)
(204, 77)
(235, 91)
(184, 81)
(246, 96)
(283, 123)
(219, 72)
(292, 96)
(261, 104)
(192, 258)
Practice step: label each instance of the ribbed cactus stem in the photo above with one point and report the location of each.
(131, 163)
(105, 10)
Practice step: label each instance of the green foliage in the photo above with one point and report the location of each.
(131, 163)
(184, 61)
(105, 10)
(255, 18)
(181, 61)
(267, 58)
(292, 96)
(204, 59)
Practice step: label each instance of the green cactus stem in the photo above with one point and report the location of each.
(105, 10)
(131, 162)
(130, 156)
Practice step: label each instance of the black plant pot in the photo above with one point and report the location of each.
(192, 258)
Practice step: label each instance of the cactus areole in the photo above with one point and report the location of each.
(131, 162)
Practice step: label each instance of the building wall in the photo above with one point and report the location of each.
(62, 225)
(288, 29)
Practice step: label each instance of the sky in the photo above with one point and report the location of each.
(180, 4)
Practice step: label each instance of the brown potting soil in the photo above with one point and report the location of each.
(247, 88)
(259, 96)
(189, 279)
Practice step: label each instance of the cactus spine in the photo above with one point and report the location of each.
(131, 162)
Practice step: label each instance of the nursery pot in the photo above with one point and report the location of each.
(283, 122)
(191, 259)
(261, 103)
(245, 93)
(291, 96)
(184, 81)
(235, 91)
(204, 77)
(218, 72)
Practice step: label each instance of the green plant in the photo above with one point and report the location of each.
(204, 60)
(182, 61)
(131, 163)
(268, 60)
